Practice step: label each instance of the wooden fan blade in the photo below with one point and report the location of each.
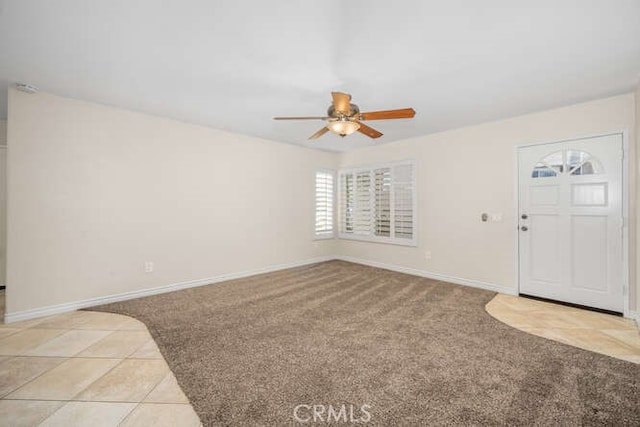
(319, 133)
(341, 102)
(405, 113)
(369, 131)
(301, 118)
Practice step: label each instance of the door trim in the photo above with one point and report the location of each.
(626, 309)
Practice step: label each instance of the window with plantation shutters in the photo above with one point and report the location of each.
(378, 203)
(324, 204)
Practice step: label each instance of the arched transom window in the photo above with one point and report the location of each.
(569, 162)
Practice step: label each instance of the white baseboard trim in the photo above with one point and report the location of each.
(430, 275)
(91, 302)
(76, 305)
(635, 315)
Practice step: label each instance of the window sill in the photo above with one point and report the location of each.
(386, 241)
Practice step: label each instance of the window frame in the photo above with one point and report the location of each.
(370, 236)
(324, 234)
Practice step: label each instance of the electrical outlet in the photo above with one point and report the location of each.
(148, 266)
(427, 255)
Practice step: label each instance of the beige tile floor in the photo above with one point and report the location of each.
(100, 369)
(598, 332)
(86, 369)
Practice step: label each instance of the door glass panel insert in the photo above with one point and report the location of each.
(576, 158)
(589, 194)
(582, 163)
(554, 161)
(588, 167)
(542, 171)
(551, 165)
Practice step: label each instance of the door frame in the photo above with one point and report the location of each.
(626, 310)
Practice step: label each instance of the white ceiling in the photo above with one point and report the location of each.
(234, 65)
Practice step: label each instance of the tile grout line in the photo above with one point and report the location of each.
(14, 356)
(159, 382)
(97, 401)
(70, 401)
(125, 357)
(100, 377)
(33, 379)
(43, 342)
(129, 413)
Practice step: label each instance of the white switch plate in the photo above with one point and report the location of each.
(148, 266)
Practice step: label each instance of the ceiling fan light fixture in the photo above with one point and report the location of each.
(343, 127)
(344, 118)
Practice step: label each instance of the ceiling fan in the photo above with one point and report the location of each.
(344, 118)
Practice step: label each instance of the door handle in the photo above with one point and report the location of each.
(524, 228)
(525, 216)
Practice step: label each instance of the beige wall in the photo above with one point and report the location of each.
(3, 200)
(465, 172)
(94, 192)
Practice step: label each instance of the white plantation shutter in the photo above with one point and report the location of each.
(403, 201)
(324, 203)
(362, 220)
(347, 202)
(377, 203)
(382, 202)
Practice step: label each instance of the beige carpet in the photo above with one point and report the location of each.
(417, 351)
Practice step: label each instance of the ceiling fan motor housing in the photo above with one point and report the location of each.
(331, 111)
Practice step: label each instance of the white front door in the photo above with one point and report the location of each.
(570, 234)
